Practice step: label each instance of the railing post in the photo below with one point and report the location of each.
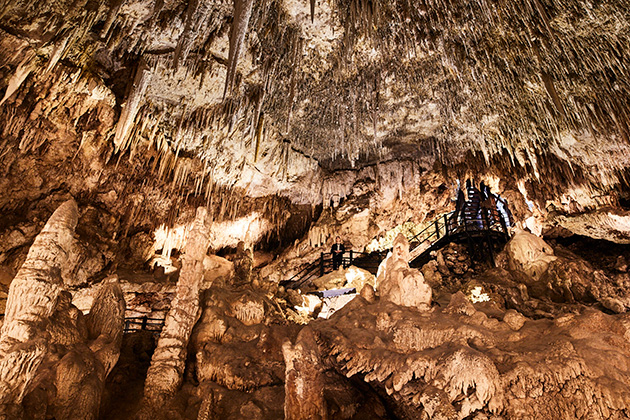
(144, 323)
(321, 265)
(445, 225)
(437, 228)
(503, 225)
(350, 257)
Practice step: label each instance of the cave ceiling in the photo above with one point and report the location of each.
(271, 95)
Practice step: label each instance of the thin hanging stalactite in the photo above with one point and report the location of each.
(242, 14)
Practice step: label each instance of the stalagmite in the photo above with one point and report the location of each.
(304, 384)
(47, 343)
(399, 283)
(167, 364)
(32, 299)
(105, 324)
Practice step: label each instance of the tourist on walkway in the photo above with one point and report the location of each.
(337, 251)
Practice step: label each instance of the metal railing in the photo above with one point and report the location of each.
(470, 221)
(324, 265)
(143, 323)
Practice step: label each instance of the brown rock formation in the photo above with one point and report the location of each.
(167, 365)
(400, 284)
(46, 343)
(529, 253)
(304, 383)
(460, 363)
(33, 296)
(243, 263)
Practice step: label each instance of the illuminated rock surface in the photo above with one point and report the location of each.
(291, 122)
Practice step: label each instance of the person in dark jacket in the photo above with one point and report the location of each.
(337, 251)
(459, 209)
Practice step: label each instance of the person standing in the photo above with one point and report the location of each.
(337, 251)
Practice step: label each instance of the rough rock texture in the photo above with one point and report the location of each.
(457, 363)
(46, 343)
(353, 117)
(529, 253)
(167, 365)
(238, 361)
(398, 283)
(303, 383)
(32, 299)
(243, 263)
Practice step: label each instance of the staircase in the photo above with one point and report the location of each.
(324, 265)
(479, 231)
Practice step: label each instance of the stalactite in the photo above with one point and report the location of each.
(28, 65)
(242, 14)
(139, 86)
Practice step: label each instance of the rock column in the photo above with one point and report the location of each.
(304, 384)
(32, 300)
(167, 365)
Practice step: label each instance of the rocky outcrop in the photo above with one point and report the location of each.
(167, 364)
(46, 343)
(400, 284)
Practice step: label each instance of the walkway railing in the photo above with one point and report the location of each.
(469, 223)
(324, 265)
(143, 323)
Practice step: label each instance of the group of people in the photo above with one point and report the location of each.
(480, 206)
(475, 208)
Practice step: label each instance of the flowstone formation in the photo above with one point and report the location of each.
(457, 361)
(531, 339)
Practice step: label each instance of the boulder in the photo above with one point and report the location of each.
(529, 253)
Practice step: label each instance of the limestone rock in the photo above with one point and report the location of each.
(368, 294)
(141, 248)
(304, 385)
(47, 343)
(621, 265)
(243, 264)
(167, 364)
(343, 278)
(529, 253)
(400, 284)
(431, 274)
(216, 270)
(514, 319)
(615, 305)
(460, 304)
(32, 297)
